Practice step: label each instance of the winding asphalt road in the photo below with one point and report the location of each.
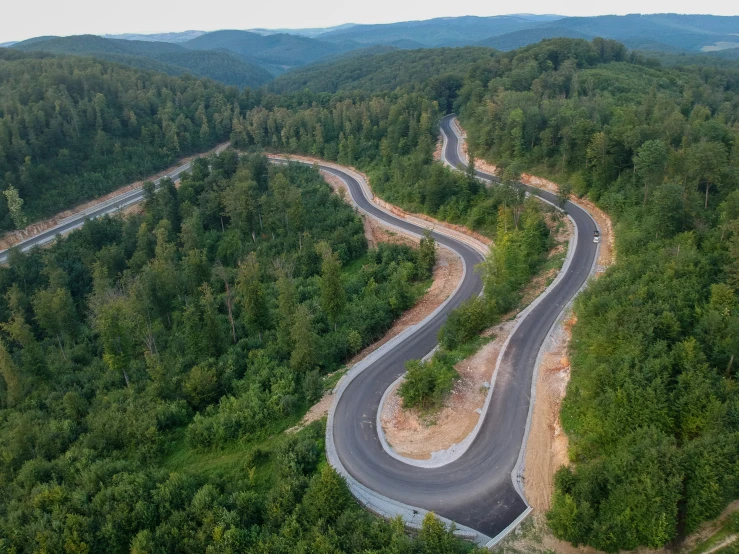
(475, 490)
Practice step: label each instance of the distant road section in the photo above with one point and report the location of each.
(110, 206)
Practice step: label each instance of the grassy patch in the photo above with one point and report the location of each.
(245, 460)
(730, 527)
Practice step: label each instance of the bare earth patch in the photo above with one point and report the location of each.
(12, 238)
(438, 149)
(410, 434)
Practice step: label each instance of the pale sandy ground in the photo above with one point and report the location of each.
(446, 276)
(14, 237)
(414, 435)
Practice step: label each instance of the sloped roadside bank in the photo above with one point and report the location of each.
(413, 435)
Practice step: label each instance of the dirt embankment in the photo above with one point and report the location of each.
(546, 448)
(447, 274)
(411, 434)
(12, 238)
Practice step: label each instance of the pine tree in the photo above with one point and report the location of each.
(426, 254)
(286, 303)
(333, 297)
(250, 294)
(9, 372)
(304, 356)
(15, 207)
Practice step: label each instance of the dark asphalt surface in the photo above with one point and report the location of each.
(476, 490)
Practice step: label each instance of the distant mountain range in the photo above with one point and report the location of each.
(445, 31)
(311, 32)
(183, 36)
(167, 57)
(251, 58)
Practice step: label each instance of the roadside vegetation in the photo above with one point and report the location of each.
(151, 364)
(651, 409)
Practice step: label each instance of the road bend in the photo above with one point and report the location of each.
(475, 490)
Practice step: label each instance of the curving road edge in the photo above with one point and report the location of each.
(470, 488)
(383, 504)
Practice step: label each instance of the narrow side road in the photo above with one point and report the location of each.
(110, 206)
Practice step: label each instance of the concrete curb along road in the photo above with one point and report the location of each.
(518, 470)
(377, 503)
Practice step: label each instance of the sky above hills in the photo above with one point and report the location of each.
(22, 20)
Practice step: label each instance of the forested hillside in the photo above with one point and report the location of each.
(652, 409)
(280, 51)
(151, 364)
(166, 57)
(371, 72)
(73, 129)
(661, 31)
(187, 338)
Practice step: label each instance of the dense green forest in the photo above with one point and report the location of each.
(202, 326)
(652, 409)
(374, 72)
(113, 393)
(74, 128)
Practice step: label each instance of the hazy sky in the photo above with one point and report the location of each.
(21, 19)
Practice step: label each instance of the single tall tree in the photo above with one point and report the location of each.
(250, 294)
(650, 163)
(54, 310)
(333, 297)
(304, 356)
(427, 254)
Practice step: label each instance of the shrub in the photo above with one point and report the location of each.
(426, 383)
(465, 323)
